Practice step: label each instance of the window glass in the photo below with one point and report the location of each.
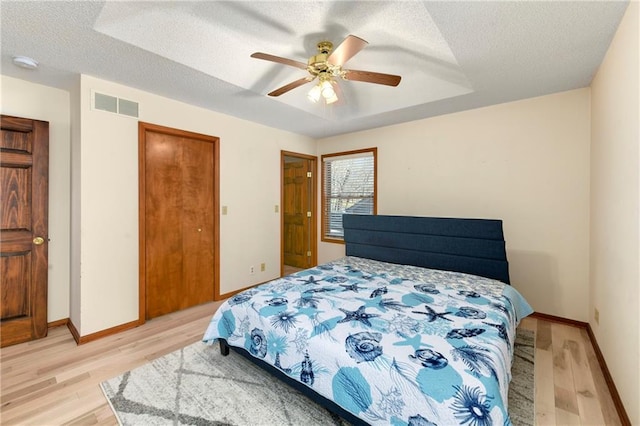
(348, 187)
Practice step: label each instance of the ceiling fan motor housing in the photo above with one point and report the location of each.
(318, 63)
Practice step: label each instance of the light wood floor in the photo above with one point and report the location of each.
(52, 381)
(288, 270)
(569, 386)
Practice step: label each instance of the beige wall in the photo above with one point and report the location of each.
(524, 162)
(22, 99)
(615, 210)
(108, 164)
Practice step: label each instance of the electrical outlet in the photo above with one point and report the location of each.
(263, 267)
(251, 270)
(596, 315)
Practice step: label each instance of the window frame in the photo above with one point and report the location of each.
(323, 201)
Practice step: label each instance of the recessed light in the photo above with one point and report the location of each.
(25, 62)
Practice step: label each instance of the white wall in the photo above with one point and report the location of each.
(524, 162)
(249, 187)
(615, 210)
(22, 99)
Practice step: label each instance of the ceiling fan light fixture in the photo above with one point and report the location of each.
(330, 96)
(331, 100)
(314, 94)
(324, 89)
(327, 89)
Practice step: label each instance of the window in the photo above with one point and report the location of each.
(348, 186)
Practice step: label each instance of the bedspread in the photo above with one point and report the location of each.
(392, 344)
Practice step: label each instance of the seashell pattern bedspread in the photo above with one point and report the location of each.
(392, 344)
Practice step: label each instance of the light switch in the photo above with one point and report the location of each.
(276, 208)
(224, 210)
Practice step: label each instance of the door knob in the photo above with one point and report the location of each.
(38, 241)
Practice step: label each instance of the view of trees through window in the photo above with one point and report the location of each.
(349, 187)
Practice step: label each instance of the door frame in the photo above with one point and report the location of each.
(142, 284)
(314, 204)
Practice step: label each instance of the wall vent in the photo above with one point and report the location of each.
(113, 104)
(129, 108)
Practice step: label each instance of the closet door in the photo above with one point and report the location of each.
(180, 215)
(24, 207)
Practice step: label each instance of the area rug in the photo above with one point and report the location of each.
(521, 390)
(197, 386)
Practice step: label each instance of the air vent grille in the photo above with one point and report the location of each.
(129, 108)
(105, 102)
(114, 104)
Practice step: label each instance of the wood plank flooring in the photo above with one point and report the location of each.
(570, 388)
(52, 381)
(288, 270)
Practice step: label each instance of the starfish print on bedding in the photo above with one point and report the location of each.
(350, 287)
(432, 315)
(415, 342)
(358, 315)
(310, 280)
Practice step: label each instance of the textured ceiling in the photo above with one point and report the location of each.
(451, 55)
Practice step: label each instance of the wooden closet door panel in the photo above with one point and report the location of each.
(197, 224)
(179, 221)
(163, 233)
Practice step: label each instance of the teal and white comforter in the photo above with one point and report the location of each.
(392, 344)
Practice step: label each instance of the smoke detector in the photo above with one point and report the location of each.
(25, 62)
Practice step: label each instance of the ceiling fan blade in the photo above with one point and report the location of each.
(278, 59)
(290, 86)
(346, 50)
(372, 77)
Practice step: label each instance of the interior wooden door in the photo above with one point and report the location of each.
(297, 210)
(180, 219)
(24, 200)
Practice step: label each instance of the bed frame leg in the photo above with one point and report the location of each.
(224, 347)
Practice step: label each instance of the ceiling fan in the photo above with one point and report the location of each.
(325, 66)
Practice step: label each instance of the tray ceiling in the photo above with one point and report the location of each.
(452, 56)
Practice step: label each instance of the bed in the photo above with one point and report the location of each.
(414, 326)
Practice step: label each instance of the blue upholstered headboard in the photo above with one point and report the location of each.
(473, 246)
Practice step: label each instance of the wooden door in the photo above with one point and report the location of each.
(297, 212)
(24, 200)
(179, 182)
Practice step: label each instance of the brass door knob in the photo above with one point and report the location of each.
(38, 241)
